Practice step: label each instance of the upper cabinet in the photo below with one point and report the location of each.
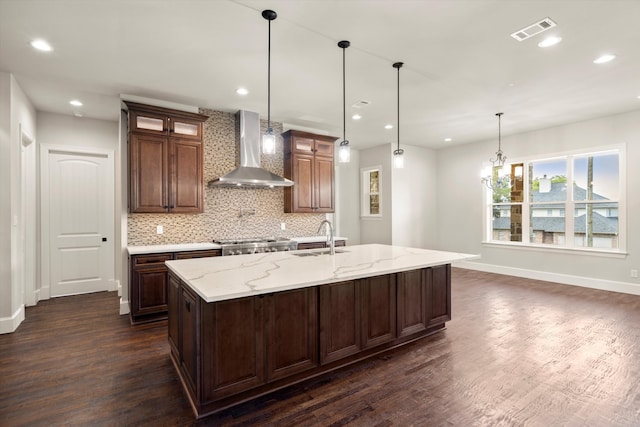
(165, 160)
(308, 162)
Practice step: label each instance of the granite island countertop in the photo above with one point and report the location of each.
(224, 278)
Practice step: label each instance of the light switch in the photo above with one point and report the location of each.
(159, 229)
(283, 226)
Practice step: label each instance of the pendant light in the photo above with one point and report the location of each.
(269, 139)
(398, 153)
(494, 178)
(344, 152)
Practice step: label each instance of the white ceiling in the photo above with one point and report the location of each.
(461, 65)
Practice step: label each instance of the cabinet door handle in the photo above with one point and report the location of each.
(188, 305)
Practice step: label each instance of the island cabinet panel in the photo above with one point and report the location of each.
(378, 310)
(412, 302)
(233, 347)
(292, 332)
(173, 302)
(439, 294)
(188, 345)
(227, 352)
(340, 323)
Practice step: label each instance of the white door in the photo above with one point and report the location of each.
(79, 197)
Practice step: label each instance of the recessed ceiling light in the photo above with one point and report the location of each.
(550, 41)
(447, 140)
(388, 126)
(75, 103)
(356, 117)
(42, 45)
(242, 91)
(604, 58)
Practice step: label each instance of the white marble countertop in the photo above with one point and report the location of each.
(178, 247)
(223, 278)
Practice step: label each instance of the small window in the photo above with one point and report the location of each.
(370, 205)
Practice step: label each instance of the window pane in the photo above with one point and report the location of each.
(596, 177)
(548, 181)
(547, 224)
(507, 223)
(374, 204)
(596, 225)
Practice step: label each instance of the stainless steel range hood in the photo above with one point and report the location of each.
(249, 173)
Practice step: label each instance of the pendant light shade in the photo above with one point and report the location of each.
(344, 151)
(269, 139)
(398, 153)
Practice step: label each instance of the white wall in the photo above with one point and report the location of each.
(60, 129)
(16, 114)
(414, 194)
(460, 205)
(6, 312)
(347, 188)
(378, 230)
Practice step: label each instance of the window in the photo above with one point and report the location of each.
(569, 201)
(370, 204)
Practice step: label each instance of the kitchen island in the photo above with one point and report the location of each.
(243, 326)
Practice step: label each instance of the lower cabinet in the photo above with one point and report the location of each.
(230, 351)
(148, 283)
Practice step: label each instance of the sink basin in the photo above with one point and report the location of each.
(317, 253)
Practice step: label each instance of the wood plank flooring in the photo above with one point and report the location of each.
(517, 352)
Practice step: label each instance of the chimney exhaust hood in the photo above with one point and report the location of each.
(249, 173)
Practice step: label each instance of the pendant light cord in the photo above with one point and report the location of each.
(269, 80)
(344, 97)
(398, 65)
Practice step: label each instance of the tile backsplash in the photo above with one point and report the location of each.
(228, 212)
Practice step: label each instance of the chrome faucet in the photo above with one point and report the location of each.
(332, 242)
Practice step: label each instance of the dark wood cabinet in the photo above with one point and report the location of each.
(230, 351)
(340, 324)
(233, 347)
(308, 162)
(149, 283)
(165, 160)
(424, 299)
(378, 310)
(291, 320)
(438, 294)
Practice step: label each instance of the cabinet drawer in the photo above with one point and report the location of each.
(152, 260)
(198, 254)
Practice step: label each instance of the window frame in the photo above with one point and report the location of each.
(365, 193)
(569, 206)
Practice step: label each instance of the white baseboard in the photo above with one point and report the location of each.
(10, 324)
(565, 279)
(45, 293)
(124, 306)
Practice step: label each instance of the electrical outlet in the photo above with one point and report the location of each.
(634, 273)
(283, 226)
(159, 229)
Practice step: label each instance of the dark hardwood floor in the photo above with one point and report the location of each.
(517, 352)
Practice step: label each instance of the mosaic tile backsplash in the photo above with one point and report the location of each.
(228, 212)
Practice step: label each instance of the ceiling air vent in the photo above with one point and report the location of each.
(361, 104)
(533, 29)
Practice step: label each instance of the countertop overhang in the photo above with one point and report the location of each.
(223, 278)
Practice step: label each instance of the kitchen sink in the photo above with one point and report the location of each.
(317, 253)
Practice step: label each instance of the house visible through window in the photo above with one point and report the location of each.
(585, 185)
